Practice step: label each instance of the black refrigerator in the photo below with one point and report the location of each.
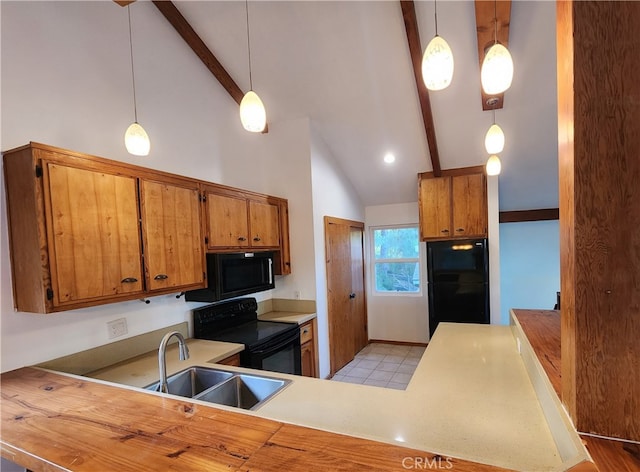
(458, 281)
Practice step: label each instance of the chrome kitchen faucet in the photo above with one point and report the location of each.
(162, 353)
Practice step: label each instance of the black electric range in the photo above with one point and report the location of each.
(269, 345)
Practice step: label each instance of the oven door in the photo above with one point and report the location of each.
(281, 354)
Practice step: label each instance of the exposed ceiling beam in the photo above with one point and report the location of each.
(415, 50)
(486, 14)
(184, 29)
(518, 216)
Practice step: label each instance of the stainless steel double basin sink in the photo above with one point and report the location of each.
(246, 391)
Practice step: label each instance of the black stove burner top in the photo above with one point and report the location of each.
(236, 321)
(251, 334)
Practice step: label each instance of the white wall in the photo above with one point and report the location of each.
(68, 83)
(493, 210)
(396, 317)
(530, 265)
(333, 195)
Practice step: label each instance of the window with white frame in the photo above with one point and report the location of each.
(396, 259)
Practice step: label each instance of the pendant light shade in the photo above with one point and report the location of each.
(252, 113)
(493, 166)
(437, 60)
(437, 64)
(136, 140)
(494, 140)
(497, 70)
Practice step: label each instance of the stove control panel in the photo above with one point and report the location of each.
(222, 315)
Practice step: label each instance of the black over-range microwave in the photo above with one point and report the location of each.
(235, 274)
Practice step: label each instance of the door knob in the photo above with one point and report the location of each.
(352, 295)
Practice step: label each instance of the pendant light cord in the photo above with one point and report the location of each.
(246, 3)
(495, 21)
(435, 14)
(133, 77)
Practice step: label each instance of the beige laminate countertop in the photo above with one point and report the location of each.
(287, 317)
(470, 397)
(143, 370)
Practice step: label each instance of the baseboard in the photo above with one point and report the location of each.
(400, 343)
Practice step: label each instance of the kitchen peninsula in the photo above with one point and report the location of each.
(469, 403)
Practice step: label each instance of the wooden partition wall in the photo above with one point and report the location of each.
(599, 171)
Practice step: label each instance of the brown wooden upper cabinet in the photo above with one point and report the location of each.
(237, 220)
(453, 206)
(172, 235)
(93, 235)
(77, 224)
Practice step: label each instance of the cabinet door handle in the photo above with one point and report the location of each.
(161, 277)
(305, 331)
(242, 238)
(460, 230)
(257, 238)
(352, 295)
(129, 280)
(444, 231)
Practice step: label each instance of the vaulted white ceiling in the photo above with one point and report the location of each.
(346, 66)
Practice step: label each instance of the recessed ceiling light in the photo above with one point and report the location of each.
(389, 158)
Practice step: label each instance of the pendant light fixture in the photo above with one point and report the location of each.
(496, 73)
(252, 113)
(136, 139)
(494, 139)
(437, 60)
(493, 166)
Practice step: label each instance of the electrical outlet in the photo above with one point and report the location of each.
(296, 295)
(117, 328)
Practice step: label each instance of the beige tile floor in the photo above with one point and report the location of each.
(382, 365)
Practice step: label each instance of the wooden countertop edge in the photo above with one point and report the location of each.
(53, 422)
(28, 460)
(542, 330)
(570, 446)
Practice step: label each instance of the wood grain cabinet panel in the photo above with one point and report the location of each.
(94, 244)
(308, 343)
(469, 205)
(264, 224)
(227, 223)
(435, 203)
(171, 231)
(453, 206)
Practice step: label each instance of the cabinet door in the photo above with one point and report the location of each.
(308, 349)
(233, 360)
(469, 205)
(435, 206)
(94, 238)
(264, 224)
(227, 223)
(308, 360)
(171, 230)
